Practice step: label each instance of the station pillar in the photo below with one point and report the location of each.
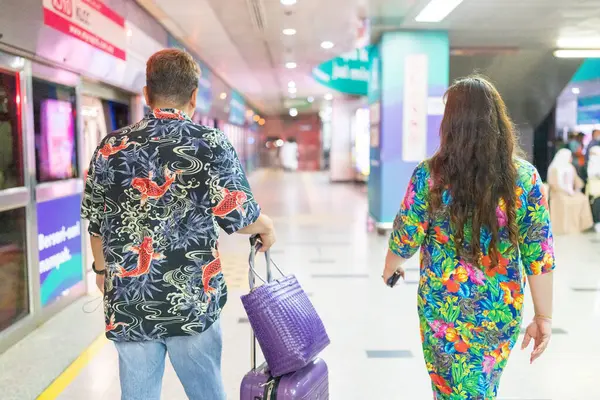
(409, 73)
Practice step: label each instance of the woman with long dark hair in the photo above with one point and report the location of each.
(480, 217)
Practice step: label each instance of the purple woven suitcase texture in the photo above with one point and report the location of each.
(309, 383)
(286, 324)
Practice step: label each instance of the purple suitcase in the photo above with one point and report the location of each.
(308, 383)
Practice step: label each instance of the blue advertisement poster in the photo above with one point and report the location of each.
(59, 244)
(237, 109)
(588, 110)
(205, 94)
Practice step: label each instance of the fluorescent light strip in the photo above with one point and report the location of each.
(578, 43)
(577, 53)
(437, 10)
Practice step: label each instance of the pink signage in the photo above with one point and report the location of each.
(89, 21)
(57, 140)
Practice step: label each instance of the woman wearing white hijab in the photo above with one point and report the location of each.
(569, 208)
(593, 185)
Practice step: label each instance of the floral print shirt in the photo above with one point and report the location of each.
(157, 193)
(470, 311)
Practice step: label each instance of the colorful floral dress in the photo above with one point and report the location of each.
(470, 315)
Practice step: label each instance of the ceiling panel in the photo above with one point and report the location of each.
(242, 40)
(251, 57)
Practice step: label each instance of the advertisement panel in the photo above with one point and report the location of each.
(205, 95)
(237, 109)
(90, 21)
(588, 110)
(57, 151)
(414, 129)
(59, 246)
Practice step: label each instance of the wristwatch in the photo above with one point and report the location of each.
(98, 272)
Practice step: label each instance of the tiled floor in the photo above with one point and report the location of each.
(375, 352)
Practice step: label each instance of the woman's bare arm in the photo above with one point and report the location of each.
(541, 287)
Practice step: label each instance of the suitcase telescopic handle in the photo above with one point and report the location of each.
(252, 275)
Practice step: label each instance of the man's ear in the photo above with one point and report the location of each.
(194, 99)
(146, 96)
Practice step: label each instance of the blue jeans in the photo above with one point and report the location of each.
(196, 360)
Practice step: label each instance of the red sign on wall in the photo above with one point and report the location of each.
(63, 6)
(89, 21)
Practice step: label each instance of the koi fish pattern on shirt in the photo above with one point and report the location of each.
(157, 193)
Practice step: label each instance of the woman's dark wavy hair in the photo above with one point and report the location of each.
(475, 163)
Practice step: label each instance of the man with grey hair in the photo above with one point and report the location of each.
(155, 196)
(593, 143)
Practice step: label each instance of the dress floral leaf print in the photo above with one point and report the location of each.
(157, 192)
(470, 311)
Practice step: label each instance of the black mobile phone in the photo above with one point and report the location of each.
(393, 280)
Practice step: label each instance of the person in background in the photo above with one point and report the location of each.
(559, 143)
(594, 142)
(593, 184)
(569, 207)
(155, 196)
(289, 155)
(577, 149)
(479, 216)
(572, 143)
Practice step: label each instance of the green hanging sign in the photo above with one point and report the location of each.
(588, 71)
(299, 104)
(348, 73)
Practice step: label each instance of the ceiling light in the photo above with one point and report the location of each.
(290, 65)
(261, 121)
(575, 90)
(291, 84)
(288, 2)
(327, 45)
(310, 99)
(223, 96)
(328, 96)
(437, 10)
(249, 113)
(293, 112)
(578, 43)
(256, 118)
(577, 53)
(292, 95)
(129, 32)
(289, 31)
(292, 90)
